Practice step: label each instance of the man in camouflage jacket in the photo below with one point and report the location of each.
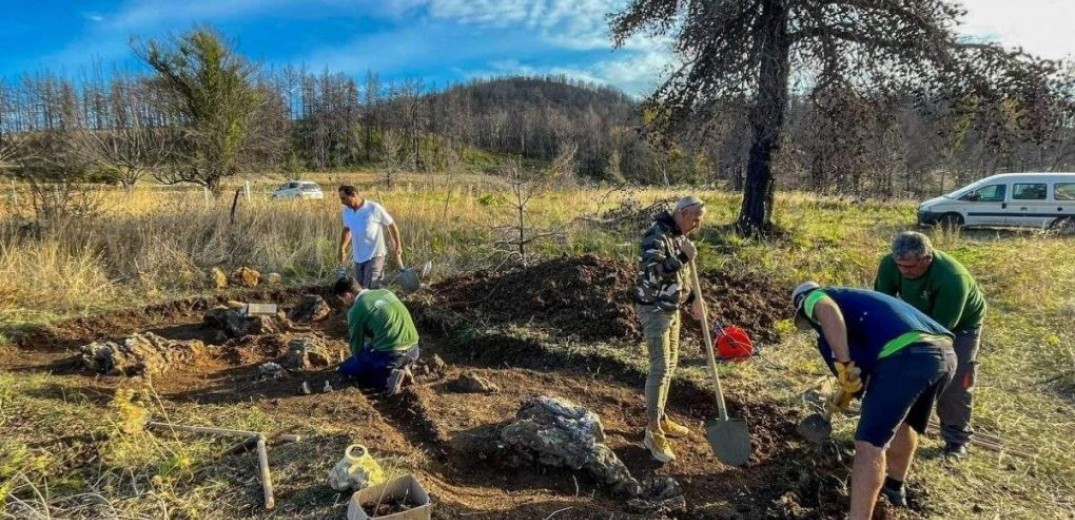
(663, 287)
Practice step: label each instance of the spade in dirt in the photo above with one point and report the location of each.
(728, 437)
(408, 278)
(817, 427)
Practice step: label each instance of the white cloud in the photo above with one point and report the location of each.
(1040, 27)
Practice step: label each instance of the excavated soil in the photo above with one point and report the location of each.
(446, 437)
(590, 298)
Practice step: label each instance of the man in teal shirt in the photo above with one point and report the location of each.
(381, 334)
(938, 285)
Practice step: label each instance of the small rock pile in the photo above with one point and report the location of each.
(138, 354)
(310, 352)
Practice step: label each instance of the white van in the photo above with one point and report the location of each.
(1039, 200)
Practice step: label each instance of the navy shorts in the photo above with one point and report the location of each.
(902, 388)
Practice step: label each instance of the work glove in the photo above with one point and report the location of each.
(839, 401)
(848, 376)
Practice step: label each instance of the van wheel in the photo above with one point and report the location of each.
(951, 221)
(1063, 225)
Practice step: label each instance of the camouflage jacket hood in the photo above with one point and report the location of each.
(663, 271)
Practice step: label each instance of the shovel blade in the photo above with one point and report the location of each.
(408, 280)
(730, 441)
(816, 428)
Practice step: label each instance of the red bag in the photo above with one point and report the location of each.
(732, 343)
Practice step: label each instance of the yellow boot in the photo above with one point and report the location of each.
(658, 446)
(673, 429)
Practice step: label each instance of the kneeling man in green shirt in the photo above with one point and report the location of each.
(381, 334)
(939, 286)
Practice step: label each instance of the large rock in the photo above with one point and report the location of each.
(234, 324)
(310, 352)
(245, 277)
(274, 279)
(557, 432)
(311, 308)
(230, 321)
(138, 354)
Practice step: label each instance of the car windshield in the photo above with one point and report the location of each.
(956, 194)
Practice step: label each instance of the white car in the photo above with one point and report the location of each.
(1038, 200)
(298, 190)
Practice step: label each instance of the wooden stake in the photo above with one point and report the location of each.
(266, 477)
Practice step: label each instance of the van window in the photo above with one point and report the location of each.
(1029, 191)
(1065, 191)
(993, 193)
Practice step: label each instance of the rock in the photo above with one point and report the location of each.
(234, 324)
(327, 388)
(311, 308)
(245, 277)
(557, 432)
(429, 368)
(217, 279)
(310, 352)
(270, 369)
(471, 383)
(274, 279)
(305, 389)
(260, 325)
(139, 354)
(230, 321)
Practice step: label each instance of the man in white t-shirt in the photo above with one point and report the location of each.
(364, 222)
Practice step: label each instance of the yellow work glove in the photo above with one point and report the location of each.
(848, 376)
(838, 401)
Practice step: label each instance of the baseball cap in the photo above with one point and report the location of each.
(798, 300)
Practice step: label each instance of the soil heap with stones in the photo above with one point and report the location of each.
(590, 297)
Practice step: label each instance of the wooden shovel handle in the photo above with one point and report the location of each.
(711, 361)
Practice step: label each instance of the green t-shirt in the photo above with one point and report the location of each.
(379, 315)
(947, 292)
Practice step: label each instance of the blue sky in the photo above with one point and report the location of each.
(440, 41)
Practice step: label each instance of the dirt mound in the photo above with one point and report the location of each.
(591, 298)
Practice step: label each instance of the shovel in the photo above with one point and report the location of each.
(407, 278)
(728, 437)
(817, 427)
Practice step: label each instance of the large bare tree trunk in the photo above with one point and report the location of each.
(767, 120)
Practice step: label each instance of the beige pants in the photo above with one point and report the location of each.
(661, 330)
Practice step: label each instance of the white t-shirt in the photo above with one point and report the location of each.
(367, 230)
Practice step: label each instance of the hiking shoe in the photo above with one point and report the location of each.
(955, 451)
(658, 446)
(673, 429)
(395, 380)
(896, 497)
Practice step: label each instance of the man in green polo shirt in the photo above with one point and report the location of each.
(938, 285)
(381, 334)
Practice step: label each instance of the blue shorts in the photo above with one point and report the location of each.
(902, 388)
(372, 367)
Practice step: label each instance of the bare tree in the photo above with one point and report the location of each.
(523, 186)
(745, 48)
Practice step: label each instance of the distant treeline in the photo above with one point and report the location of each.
(124, 128)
